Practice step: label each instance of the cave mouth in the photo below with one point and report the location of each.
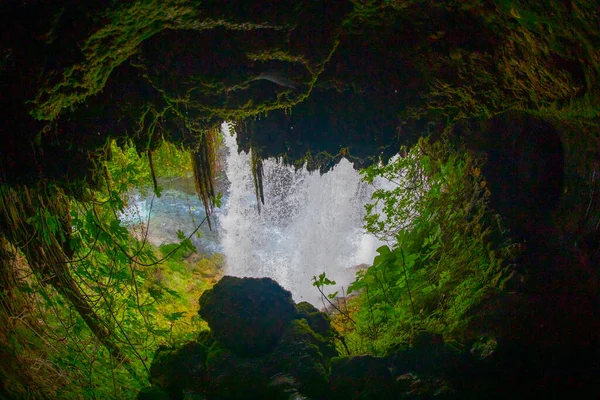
(499, 267)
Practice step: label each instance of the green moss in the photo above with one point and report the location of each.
(207, 268)
(318, 321)
(176, 370)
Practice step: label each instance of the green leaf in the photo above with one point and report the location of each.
(172, 292)
(322, 280)
(217, 200)
(172, 317)
(383, 250)
(155, 292)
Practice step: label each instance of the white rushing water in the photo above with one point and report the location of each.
(309, 224)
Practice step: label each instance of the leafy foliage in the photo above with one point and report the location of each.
(129, 169)
(117, 299)
(447, 249)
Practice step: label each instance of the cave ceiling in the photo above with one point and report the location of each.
(305, 81)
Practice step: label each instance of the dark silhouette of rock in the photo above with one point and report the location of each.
(176, 369)
(301, 356)
(261, 346)
(318, 321)
(365, 377)
(247, 315)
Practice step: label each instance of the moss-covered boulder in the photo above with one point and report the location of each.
(362, 377)
(428, 368)
(247, 315)
(234, 377)
(318, 321)
(262, 346)
(175, 371)
(305, 356)
(298, 363)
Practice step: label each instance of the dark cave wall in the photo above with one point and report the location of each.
(525, 167)
(369, 78)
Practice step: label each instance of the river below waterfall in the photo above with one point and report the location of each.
(309, 224)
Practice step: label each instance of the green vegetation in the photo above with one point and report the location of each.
(447, 250)
(129, 169)
(84, 310)
(83, 304)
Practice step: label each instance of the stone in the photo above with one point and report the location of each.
(261, 346)
(153, 393)
(362, 377)
(305, 356)
(318, 321)
(180, 369)
(247, 315)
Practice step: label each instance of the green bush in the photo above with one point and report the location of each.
(446, 249)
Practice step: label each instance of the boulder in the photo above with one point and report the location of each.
(261, 346)
(304, 355)
(234, 377)
(318, 321)
(362, 377)
(177, 370)
(297, 364)
(247, 315)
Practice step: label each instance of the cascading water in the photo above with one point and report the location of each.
(309, 224)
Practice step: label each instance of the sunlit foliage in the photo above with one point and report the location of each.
(92, 333)
(447, 250)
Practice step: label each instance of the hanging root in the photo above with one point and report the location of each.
(37, 222)
(257, 174)
(152, 172)
(204, 165)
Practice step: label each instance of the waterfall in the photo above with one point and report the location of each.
(309, 224)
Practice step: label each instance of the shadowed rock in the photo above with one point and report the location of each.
(247, 315)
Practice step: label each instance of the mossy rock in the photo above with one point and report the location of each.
(298, 363)
(369, 377)
(362, 377)
(415, 387)
(247, 315)
(260, 346)
(234, 377)
(153, 393)
(177, 370)
(304, 355)
(318, 321)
